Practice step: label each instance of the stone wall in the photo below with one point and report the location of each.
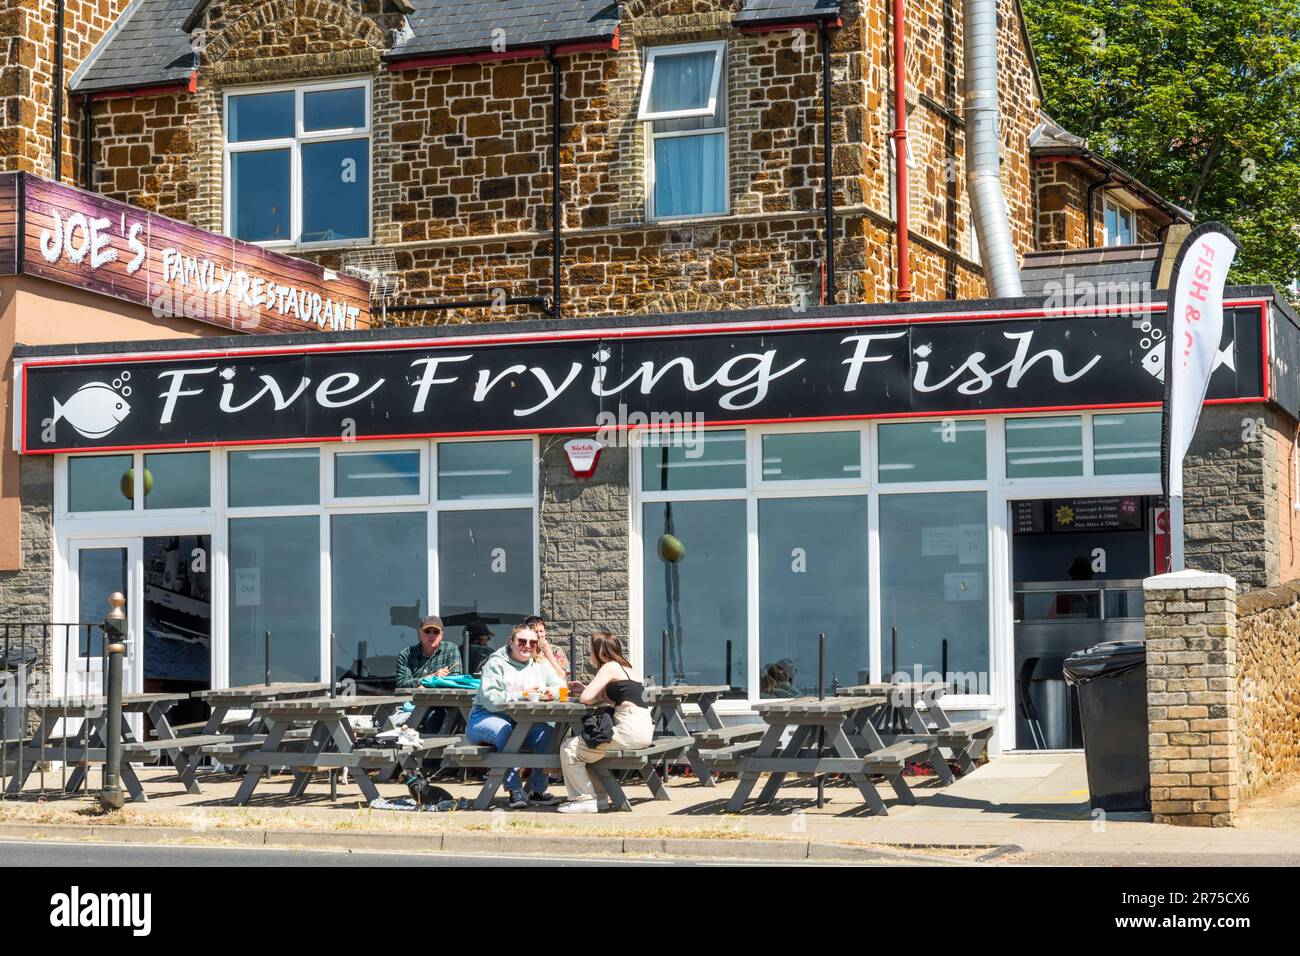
(25, 594)
(461, 157)
(27, 35)
(583, 532)
(1062, 220)
(1230, 488)
(1193, 707)
(1268, 686)
(1223, 694)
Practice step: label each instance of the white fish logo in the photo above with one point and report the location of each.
(95, 409)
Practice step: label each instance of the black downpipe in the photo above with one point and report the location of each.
(1092, 220)
(87, 144)
(557, 204)
(828, 185)
(57, 163)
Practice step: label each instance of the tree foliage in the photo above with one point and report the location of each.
(1199, 99)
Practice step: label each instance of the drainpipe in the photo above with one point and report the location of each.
(828, 186)
(899, 135)
(983, 159)
(1092, 220)
(557, 206)
(57, 162)
(87, 144)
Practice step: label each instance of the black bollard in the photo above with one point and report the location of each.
(266, 653)
(334, 774)
(821, 731)
(573, 654)
(664, 652)
(727, 670)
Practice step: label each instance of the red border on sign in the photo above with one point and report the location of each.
(599, 334)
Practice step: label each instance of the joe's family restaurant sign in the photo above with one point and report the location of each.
(67, 235)
(597, 379)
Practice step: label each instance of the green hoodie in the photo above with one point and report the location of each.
(504, 678)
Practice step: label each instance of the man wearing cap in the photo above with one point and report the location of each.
(432, 657)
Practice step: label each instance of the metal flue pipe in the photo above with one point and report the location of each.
(983, 142)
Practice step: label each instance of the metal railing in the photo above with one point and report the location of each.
(30, 685)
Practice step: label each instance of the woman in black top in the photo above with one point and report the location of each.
(618, 683)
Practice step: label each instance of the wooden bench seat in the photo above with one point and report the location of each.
(964, 732)
(893, 759)
(144, 747)
(725, 735)
(658, 747)
(233, 748)
(725, 759)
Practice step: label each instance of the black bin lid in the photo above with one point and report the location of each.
(1109, 659)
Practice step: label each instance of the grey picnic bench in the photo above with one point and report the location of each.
(455, 703)
(330, 743)
(567, 716)
(709, 748)
(87, 746)
(923, 714)
(820, 744)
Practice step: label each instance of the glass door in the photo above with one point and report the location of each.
(98, 568)
(176, 618)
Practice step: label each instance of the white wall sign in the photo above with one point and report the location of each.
(248, 587)
(583, 455)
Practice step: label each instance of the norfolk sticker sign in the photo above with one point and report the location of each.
(590, 380)
(80, 239)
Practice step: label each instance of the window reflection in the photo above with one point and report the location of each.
(485, 569)
(694, 588)
(812, 579)
(100, 483)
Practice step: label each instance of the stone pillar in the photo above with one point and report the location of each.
(583, 526)
(1192, 709)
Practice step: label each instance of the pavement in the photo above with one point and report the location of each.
(1025, 808)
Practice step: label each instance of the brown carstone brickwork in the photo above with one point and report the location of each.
(1062, 221)
(461, 181)
(27, 34)
(1268, 686)
(1194, 709)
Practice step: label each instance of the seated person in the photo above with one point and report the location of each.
(778, 679)
(506, 674)
(432, 657)
(557, 658)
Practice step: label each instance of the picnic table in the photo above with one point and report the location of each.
(567, 716)
(709, 748)
(914, 707)
(819, 744)
(455, 703)
(225, 699)
(330, 745)
(88, 744)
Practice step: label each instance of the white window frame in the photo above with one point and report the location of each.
(719, 48)
(294, 144)
(126, 528)
(1121, 211)
(1000, 491)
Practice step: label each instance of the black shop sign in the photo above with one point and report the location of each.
(599, 379)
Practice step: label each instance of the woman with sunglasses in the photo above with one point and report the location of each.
(506, 675)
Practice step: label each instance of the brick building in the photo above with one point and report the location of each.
(416, 141)
(452, 164)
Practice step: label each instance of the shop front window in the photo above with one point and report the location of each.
(377, 605)
(689, 461)
(485, 469)
(934, 587)
(695, 591)
(946, 450)
(275, 593)
(812, 456)
(100, 483)
(812, 558)
(1126, 444)
(1044, 447)
(485, 569)
(383, 474)
(274, 477)
(177, 480)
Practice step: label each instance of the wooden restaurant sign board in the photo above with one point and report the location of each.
(80, 239)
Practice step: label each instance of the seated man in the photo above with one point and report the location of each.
(432, 657)
(478, 636)
(506, 674)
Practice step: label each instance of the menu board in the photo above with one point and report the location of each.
(1096, 514)
(1067, 515)
(1029, 517)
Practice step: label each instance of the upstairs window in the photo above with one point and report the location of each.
(1119, 225)
(684, 104)
(297, 164)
